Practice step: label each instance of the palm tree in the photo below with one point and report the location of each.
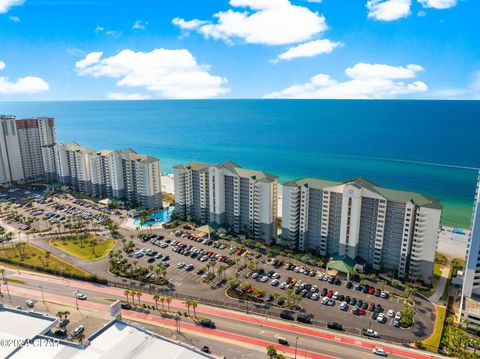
(47, 258)
(127, 293)
(60, 315)
(66, 314)
(168, 300)
(156, 297)
(81, 337)
(162, 300)
(194, 305)
(221, 270)
(188, 304)
(133, 293)
(139, 295)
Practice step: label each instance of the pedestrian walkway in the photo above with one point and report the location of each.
(435, 297)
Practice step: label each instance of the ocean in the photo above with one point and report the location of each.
(432, 147)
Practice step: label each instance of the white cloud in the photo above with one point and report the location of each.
(388, 10)
(268, 22)
(168, 73)
(314, 1)
(140, 25)
(24, 85)
(90, 59)
(5, 5)
(99, 29)
(309, 49)
(14, 18)
(2, 65)
(367, 81)
(438, 4)
(127, 96)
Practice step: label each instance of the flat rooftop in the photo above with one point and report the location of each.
(117, 340)
(21, 325)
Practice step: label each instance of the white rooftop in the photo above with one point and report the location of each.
(21, 325)
(117, 341)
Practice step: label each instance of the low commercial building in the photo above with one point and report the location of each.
(117, 339)
(243, 200)
(385, 228)
(122, 174)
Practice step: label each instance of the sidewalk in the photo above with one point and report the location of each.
(435, 297)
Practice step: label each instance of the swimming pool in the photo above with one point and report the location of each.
(162, 216)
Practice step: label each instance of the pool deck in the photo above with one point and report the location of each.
(129, 223)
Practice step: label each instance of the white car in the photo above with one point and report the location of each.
(254, 275)
(314, 296)
(81, 296)
(391, 313)
(326, 278)
(320, 277)
(335, 295)
(264, 279)
(274, 282)
(180, 265)
(398, 316)
(29, 303)
(343, 306)
(275, 276)
(325, 300)
(379, 351)
(296, 270)
(384, 294)
(381, 318)
(283, 285)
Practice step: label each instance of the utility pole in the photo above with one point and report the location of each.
(76, 299)
(41, 289)
(296, 342)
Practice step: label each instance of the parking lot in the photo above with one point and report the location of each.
(323, 296)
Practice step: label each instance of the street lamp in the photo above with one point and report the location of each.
(76, 299)
(177, 319)
(41, 288)
(296, 342)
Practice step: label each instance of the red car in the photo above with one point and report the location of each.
(371, 307)
(330, 293)
(371, 290)
(250, 290)
(361, 311)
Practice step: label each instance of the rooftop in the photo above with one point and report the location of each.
(390, 194)
(196, 166)
(246, 173)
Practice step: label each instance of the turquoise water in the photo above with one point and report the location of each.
(158, 217)
(431, 147)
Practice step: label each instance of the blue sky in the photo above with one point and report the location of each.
(84, 49)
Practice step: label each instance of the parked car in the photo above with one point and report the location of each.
(29, 303)
(286, 315)
(304, 319)
(78, 330)
(370, 333)
(343, 306)
(335, 326)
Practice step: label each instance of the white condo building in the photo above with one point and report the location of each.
(26, 149)
(116, 174)
(226, 194)
(388, 229)
(470, 305)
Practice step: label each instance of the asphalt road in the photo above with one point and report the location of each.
(238, 329)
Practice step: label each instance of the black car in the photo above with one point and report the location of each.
(207, 323)
(337, 281)
(304, 293)
(374, 315)
(286, 315)
(359, 288)
(281, 301)
(365, 305)
(378, 308)
(151, 260)
(348, 299)
(335, 326)
(269, 298)
(61, 332)
(341, 298)
(331, 280)
(359, 303)
(349, 285)
(126, 306)
(366, 289)
(324, 292)
(304, 319)
(205, 349)
(298, 290)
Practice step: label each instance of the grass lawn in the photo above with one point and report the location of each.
(84, 250)
(35, 256)
(437, 270)
(433, 341)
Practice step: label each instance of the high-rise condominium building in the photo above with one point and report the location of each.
(226, 194)
(192, 191)
(388, 229)
(116, 174)
(26, 149)
(470, 305)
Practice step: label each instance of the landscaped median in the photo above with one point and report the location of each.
(433, 341)
(89, 248)
(31, 257)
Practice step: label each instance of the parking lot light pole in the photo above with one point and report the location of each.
(76, 299)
